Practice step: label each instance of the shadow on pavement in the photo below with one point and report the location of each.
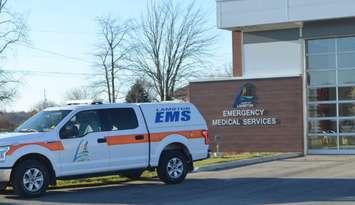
(248, 191)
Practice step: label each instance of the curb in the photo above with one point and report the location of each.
(245, 162)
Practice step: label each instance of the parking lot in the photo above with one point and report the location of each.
(306, 180)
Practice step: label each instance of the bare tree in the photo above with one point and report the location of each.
(81, 93)
(112, 55)
(12, 27)
(172, 45)
(225, 72)
(12, 30)
(7, 87)
(43, 104)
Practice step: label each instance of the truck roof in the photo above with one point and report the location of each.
(108, 105)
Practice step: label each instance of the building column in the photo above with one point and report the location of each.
(237, 53)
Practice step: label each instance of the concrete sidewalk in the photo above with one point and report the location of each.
(245, 162)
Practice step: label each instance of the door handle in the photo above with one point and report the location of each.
(101, 140)
(139, 137)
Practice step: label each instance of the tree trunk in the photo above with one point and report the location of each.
(108, 85)
(113, 76)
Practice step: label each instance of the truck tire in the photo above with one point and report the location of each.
(132, 174)
(3, 186)
(30, 179)
(172, 167)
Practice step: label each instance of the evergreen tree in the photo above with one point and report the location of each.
(137, 93)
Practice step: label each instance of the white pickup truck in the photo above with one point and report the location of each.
(100, 139)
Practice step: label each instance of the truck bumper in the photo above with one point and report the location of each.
(5, 174)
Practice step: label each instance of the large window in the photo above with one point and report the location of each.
(331, 93)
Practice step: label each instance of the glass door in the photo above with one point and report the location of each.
(331, 95)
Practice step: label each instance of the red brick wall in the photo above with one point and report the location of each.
(280, 97)
(237, 53)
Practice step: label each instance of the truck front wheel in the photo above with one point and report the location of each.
(30, 179)
(172, 167)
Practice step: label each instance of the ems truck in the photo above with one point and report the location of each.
(78, 141)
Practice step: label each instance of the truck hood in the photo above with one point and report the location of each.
(22, 137)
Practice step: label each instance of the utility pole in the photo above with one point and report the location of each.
(44, 98)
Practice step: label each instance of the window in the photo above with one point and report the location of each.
(347, 93)
(346, 60)
(85, 122)
(321, 54)
(322, 142)
(322, 126)
(321, 46)
(119, 119)
(347, 126)
(346, 44)
(321, 62)
(321, 78)
(347, 142)
(43, 121)
(322, 94)
(347, 110)
(347, 76)
(323, 110)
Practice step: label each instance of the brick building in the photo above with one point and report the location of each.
(293, 88)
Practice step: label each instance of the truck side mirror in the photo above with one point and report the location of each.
(69, 131)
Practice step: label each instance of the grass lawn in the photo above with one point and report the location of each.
(114, 179)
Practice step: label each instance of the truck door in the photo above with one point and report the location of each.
(126, 138)
(85, 150)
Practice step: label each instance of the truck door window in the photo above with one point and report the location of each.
(123, 119)
(119, 119)
(86, 122)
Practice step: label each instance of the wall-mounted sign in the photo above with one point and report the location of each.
(245, 110)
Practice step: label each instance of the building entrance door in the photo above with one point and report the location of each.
(331, 95)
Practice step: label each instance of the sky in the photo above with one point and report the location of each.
(62, 38)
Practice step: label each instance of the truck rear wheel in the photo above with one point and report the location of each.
(172, 167)
(30, 179)
(132, 174)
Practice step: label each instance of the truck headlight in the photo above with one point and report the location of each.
(3, 151)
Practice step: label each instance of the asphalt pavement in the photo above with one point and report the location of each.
(305, 180)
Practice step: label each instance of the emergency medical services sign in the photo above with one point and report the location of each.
(244, 111)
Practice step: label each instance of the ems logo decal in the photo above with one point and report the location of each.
(82, 152)
(175, 114)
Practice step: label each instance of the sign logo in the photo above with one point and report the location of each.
(245, 111)
(246, 96)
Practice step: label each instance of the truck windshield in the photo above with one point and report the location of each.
(43, 121)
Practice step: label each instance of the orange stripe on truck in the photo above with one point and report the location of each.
(125, 139)
(52, 146)
(157, 137)
(154, 137)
